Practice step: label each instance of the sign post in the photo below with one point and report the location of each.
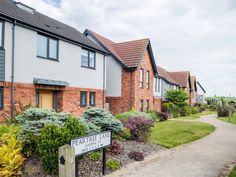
(91, 143)
(66, 161)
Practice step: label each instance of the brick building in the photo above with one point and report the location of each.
(130, 72)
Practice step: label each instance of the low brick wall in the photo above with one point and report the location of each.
(68, 98)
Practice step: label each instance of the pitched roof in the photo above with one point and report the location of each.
(193, 83)
(166, 75)
(127, 53)
(36, 20)
(181, 77)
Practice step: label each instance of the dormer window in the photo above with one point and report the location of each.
(25, 7)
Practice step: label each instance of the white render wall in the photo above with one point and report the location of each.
(29, 66)
(113, 77)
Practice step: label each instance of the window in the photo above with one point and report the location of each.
(159, 82)
(1, 97)
(47, 47)
(92, 98)
(88, 59)
(141, 78)
(147, 105)
(1, 34)
(83, 99)
(156, 84)
(148, 80)
(141, 105)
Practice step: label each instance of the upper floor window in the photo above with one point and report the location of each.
(148, 80)
(156, 84)
(159, 83)
(88, 59)
(141, 78)
(92, 98)
(1, 97)
(1, 34)
(47, 47)
(83, 99)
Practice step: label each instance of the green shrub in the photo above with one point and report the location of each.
(123, 135)
(94, 156)
(52, 137)
(175, 111)
(195, 110)
(186, 111)
(103, 119)
(113, 164)
(177, 97)
(225, 110)
(153, 115)
(11, 159)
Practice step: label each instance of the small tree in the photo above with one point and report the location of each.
(177, 97)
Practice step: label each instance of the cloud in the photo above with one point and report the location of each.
(185, 34)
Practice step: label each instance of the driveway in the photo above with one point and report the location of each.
(206, 157)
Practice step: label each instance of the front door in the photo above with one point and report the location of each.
(45, 99)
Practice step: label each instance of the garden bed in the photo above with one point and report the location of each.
(33, 165)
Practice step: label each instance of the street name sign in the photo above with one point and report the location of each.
(90, 143)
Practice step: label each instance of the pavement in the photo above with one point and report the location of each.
(210, 156)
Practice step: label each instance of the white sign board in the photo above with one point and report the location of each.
(90, 143)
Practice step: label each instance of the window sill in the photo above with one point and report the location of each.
(45, 58)
(83, 105)
(88, 67)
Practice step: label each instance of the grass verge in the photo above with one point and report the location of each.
(233, 173)
(176, 132)
(231, 119)
(197, 116)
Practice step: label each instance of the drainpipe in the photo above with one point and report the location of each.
(130, 90)
(13, 69)
(104, 78)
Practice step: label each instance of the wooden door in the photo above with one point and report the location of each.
(46, 99)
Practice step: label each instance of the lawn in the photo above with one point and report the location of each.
(231, 119)
(176, 132)
(197, 116)
(233, 173)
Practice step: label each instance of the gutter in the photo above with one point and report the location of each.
(130, 90)
(104, 78)
(13, 69)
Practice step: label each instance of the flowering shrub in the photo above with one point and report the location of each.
(162, 116)
(135, 155)
(140, 127)
(115, 148)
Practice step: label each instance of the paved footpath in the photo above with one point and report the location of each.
(206, 157)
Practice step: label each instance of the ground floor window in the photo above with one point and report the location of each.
(141, 105)
(83, 99)
(92, 98)
(147, 105)
(46, 99)
(1, 97)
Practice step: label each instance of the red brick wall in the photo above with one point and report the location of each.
(68, 97)
(122, 104)
(157, 104)
(143, 93)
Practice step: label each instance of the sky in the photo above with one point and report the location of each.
(193, 35)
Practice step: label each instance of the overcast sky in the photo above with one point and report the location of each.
(194, 35)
